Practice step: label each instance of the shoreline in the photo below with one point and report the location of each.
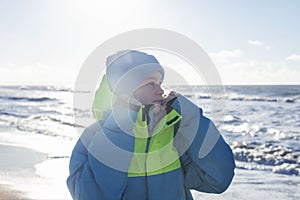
(14, 158)
(7, 193)
(16, 165)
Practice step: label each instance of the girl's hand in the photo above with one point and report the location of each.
(172, 95)
(165, 106)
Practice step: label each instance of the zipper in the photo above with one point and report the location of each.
(146, 151)
(147, 144)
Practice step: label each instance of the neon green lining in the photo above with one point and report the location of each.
(161, 156)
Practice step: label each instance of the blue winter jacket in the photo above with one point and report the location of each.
(207, 163)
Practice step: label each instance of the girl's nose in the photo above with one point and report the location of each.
(159, 91)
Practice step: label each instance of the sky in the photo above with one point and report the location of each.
(250, 42)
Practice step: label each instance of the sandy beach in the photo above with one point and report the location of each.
(16, 161)
(20, 181)
(7, 193)
(14, 158)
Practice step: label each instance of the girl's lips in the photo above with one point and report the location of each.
(157, 101)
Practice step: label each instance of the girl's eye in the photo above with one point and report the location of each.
(151, 83)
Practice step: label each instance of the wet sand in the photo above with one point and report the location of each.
(15, 159)
(9, 194)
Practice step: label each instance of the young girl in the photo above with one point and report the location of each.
(144, 145)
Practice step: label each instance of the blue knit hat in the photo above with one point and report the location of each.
(126, 69)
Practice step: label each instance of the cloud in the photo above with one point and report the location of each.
(226, 55)
(293, 57)
(258, 44)
(7, 64)
(258, 72)
(234, 68)
(36, 74)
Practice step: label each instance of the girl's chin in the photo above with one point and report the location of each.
(157, 108)
(156, 102)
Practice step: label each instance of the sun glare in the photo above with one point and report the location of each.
(107, 11)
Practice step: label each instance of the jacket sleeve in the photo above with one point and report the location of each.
(79, 163)
(207, 160)
(109, 162)
(91, 176)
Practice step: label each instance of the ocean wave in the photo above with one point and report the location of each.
(45, 88)
(53, 119)
(31, 99)
(288, 169)
(56, 126)
(40, 127)
(277, 158)
(266, 99)
(38, 88)
(292, 99)
(230, 119)
(12, 114)
(256, 130)
(206, 97)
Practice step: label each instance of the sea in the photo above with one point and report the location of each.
(261, 123)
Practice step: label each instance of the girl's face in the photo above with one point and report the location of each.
(149, 91)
